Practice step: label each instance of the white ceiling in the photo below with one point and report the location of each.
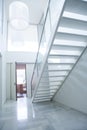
(36, 9)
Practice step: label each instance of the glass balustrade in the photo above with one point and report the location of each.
(45, 29)
(42, 47)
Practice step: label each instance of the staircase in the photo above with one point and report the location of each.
(66, 43)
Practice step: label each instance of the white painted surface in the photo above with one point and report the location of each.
(10, 82)
(1, 42)
(74, 91)
(3, 79)
(0, 70)
(13, 85)
(36, 9)
(0, 81)
(8, 77)
(3, 50)
(29, 72)
(20, 57)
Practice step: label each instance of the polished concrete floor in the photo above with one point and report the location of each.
(23, 115)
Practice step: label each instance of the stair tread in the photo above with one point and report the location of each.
(73, 23)
(68, 36)
(76, 16)
(68, 42)
(67, 47)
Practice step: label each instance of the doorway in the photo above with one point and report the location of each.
(21, 85)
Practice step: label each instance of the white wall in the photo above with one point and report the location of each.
(3, 79)
(0, 71)
(10, 82)
(10, 57)
(8, 77)
(29, 72)
(3, 52)
(20, 57)
(74, 91)
(1, 43)
(0, 82)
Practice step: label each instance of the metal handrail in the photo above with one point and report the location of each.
(39, 44)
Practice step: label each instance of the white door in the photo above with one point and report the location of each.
(11, 81)
(0, 82)
(29, 71)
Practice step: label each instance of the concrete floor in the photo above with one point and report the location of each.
(23, 115)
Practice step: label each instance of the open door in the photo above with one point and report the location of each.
(21, 86)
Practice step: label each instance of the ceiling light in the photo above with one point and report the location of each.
(19, 15)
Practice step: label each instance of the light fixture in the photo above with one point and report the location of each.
(19, 15)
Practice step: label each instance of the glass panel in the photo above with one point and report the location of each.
(47, 28)
(54, 7)
(44, 42)
(45, 74)
(42, 51)
(55, 10)
(43, 36)
(39, 29)
(34, 80)
(40, 26)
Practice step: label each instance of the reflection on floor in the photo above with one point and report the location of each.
(21, 95)
(23, 115)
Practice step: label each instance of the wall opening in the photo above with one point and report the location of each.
(21, 85)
